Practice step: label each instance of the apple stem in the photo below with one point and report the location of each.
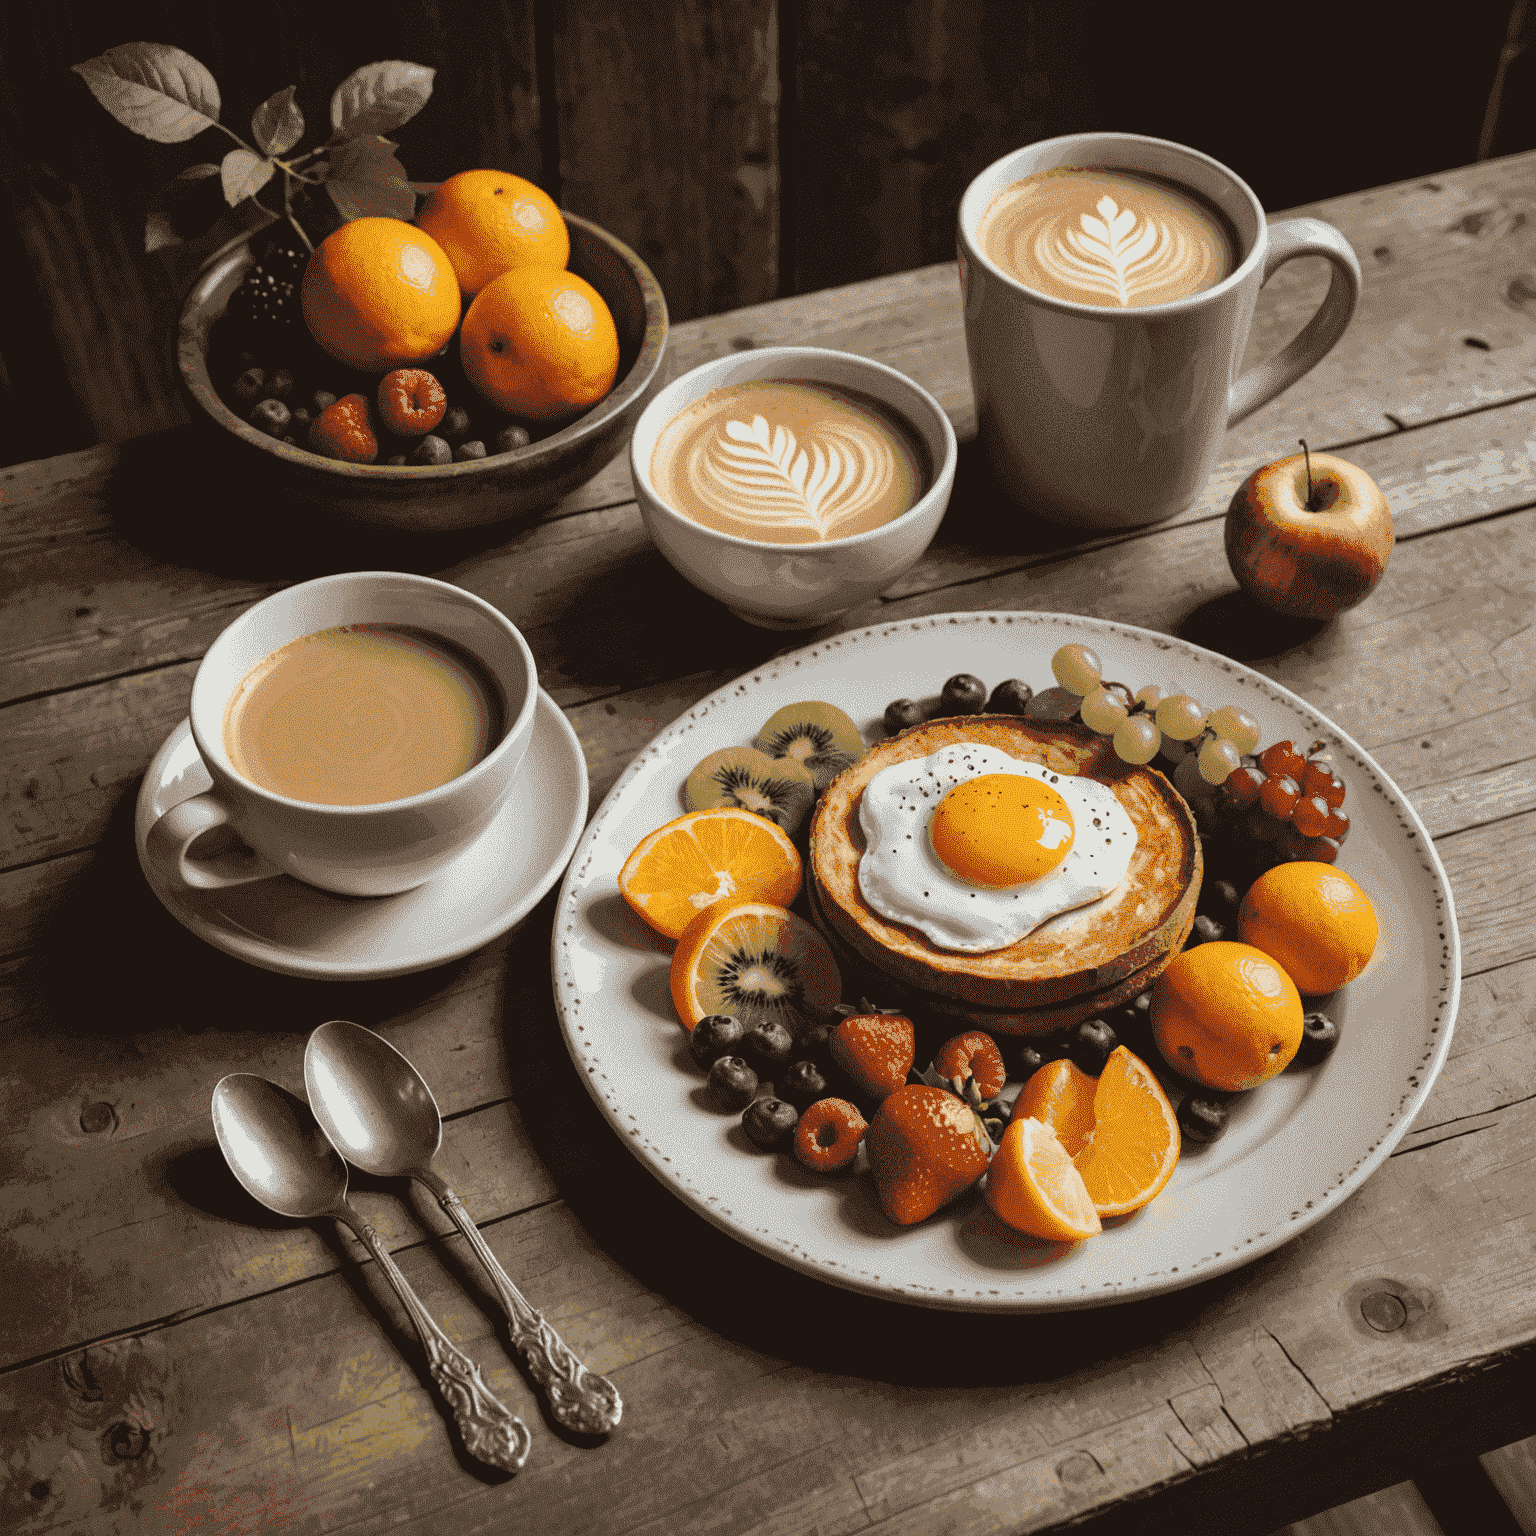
(1313, 504)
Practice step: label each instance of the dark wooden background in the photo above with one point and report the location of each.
(748, 149)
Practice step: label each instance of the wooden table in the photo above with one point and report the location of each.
(171, 1358)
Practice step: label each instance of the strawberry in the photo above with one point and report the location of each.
(876, 1048)
(975, 1055)
(925, 1148)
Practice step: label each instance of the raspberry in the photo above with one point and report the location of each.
(344, 431)
(828, 1134)
(411, 401)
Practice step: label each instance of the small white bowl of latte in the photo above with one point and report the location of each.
(793, 483)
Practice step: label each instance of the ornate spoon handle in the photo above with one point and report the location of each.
(580, 1399)
(492, 1432)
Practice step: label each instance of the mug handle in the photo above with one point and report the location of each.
(1301, 237)
(171, 836)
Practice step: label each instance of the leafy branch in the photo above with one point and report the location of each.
(163, 94)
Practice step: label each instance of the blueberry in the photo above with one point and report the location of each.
(963, 694)
(303, 419)
(432, 450)
(768, 1046)
(397, 458)
(732, 1083)
(803, 1084)
(280, 385)
(510, 439)
(251, 385)
(1205, 931)
(321, 401)
(1202, 1120)
(271, 416)
(454, 426)
(1010, 698)
(714, 1036)
(467, 451)
(770, 1123)
(1028, 1061)
(902, 713)
(1319, 1035)
(1090, 1044)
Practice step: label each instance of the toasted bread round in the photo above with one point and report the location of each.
(1097, 949)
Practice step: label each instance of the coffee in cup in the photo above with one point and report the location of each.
(789, 461)
(1108, 235)
(361, 714)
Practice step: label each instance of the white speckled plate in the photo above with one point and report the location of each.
(1294, 1149)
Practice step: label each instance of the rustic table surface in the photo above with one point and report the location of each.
(173, 1358)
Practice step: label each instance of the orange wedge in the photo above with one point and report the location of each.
(1135, 1143)
(756, 961)
(1035, 1187)
(705, 857)
(1060, 1095)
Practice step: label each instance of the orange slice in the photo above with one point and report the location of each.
(1035, 1187)
(756, 961)
(705, 857)
(1135, 1143)
(1060, 1095)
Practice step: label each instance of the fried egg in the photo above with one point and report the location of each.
(976, 849)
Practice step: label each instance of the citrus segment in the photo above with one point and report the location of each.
(1134, 1147)
(757, 961)
(1061, 1095)
(491, 221)
(1226, 1015)
(705, 857)
(1034, 1186)
(1313, 920)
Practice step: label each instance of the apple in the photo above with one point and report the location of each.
(1309, 536)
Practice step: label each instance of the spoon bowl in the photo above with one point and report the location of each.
(373, 1104)
(276, 1148)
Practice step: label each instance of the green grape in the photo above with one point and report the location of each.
(1077, 669)
(1150, 696)
(1102, 711)
(1235, 725)
(1181, 717)
(1137, 740)
(1219, 758)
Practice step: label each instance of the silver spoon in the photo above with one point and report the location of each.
(376, 1108)
(276, 1149)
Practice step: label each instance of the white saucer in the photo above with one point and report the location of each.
(284, 925)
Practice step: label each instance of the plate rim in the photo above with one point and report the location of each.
(1241, 1253)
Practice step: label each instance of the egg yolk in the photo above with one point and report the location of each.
(1002, 829)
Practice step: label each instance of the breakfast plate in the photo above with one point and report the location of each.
(286, 926)
(1295, 1148)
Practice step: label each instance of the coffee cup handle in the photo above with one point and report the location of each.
(1288, 240)
(172, 836)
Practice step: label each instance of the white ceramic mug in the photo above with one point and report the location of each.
(354, 850)
(795, 586)
(1110, 417)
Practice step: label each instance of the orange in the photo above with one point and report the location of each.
(1060, 1095)
(1035, 1187)
(1226, 1015)
(1134, 1147)
(1314, 920)
(757, 961)
(705, 857)
(380, 294)
(540, 344)
(491, 221)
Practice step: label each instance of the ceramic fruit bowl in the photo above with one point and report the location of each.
(500, 487)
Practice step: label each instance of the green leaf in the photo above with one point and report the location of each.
(379, 97)
(244, 175)
(156, 90)
(367, 181)
(184, 208)
(277, 124)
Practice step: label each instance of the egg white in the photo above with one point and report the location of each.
(904, 880)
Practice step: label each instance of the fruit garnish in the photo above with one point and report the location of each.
(1319, 1035)
(411, 401)
(926, 1148)
(828, 1134)
(1313, 920)
(1060, 1095)
(1010, 697)
(491, 221)
(1202, 1120)
(720, 1034)
(900, 714)
(818, 735)
(975, 1056)
(963, 694)
(781, 789)
(875, 1047)
(756, 961)
(732, 1083)
(345, 431)
(1035, 1187)
(1226, 1015)
(802, 1083)
(704, 857)
(770, 1123)
(1077, 669)
(1134, 1147)
(1092, 1043)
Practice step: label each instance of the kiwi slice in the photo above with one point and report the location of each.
(819, 735)
(781, 789)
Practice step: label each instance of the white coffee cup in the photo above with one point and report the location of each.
(1103, 417)
(795, 586)
(354, 850)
